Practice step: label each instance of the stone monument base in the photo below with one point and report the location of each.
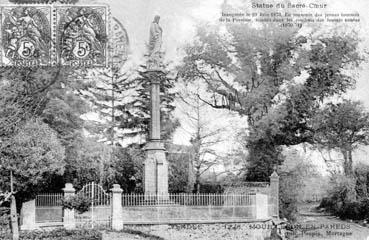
(156, 169)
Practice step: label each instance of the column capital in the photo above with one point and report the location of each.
(116, 189)
(274, 176)
(69, 188)
(154, 145)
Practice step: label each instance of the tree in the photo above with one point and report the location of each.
(123, 105)
(254, 72)
(180, 168)
(123, 170)
(205, 134)
(108, 92)
(137, 111)
(34, 155)
(342, 126)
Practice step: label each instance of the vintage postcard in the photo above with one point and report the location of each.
(184, 119)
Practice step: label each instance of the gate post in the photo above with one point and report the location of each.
(68, 220)
(116, 208)
(28, 214)
(261, 206)
(274, 192)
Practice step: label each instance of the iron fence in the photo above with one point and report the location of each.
(49, 207)
(49, 199)
(188, 199)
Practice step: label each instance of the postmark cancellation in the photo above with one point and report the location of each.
(81, 35)
(48, 35)
(26, 36)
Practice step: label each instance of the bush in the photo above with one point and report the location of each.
(77, 202)
(350, 210)
(4, 219)
(364, 209)
(291, 182)
(58, 234)
(340, 196)
(326, 203)
(209, 187)
(343, 200)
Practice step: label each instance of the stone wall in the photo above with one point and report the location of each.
(219, 231)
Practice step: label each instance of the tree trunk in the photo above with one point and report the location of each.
(344, 153)
(347, 162)
(14, 218)
(197, 181)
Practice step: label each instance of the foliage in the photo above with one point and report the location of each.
(342, 126)
(210, 187)
(341, 193)
(46, 94)
(137, 111)
(361, 174)
(78, 202)
(290, 182)
(347, 197)
(108, 91)
(97, 162)
(179, 169)
(4, 219)
(353, 210)
(87, 162)
(24, 95)
(125, 169)
(123, 104)
(57, 234)
(34, 154)
(200, 123)
(278, 79)
(262, 159)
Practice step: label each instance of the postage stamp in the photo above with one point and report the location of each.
(81, 36)
(26, 36)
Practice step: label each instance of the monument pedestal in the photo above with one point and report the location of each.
(156, 169)
(156, 165)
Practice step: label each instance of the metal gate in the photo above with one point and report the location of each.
(99, 213)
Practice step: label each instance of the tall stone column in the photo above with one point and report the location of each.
(156, 166)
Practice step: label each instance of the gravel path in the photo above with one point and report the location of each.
(330, 228)
(322, 227)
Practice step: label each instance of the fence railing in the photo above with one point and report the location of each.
(187, 199)
(49, 207)
(49, 199)
(96, 193)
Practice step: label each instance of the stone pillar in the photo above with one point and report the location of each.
(28, 214)
(156, 165)
(155, 109)
(274, 192)
(116, 208)
(68, 221)
(261, 206)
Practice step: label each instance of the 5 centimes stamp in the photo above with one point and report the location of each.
(26, 36)
(81, 35)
